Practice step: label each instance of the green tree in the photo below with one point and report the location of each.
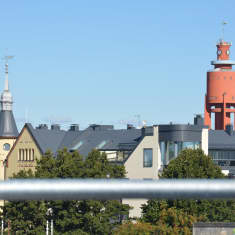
(138, 228)
(189, 164)
(21, 214)
(78, 217)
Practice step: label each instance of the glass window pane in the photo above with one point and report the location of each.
(171, 150)
(77, 146)
(148, 157)
(188, 145)
(163, 152)
(101, 145)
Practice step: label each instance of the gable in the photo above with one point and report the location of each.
(23, 154)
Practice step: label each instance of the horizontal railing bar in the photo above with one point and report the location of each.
(78, 189)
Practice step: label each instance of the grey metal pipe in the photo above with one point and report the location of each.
(78, 189)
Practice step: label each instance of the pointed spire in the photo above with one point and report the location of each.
(6, 97)
(8, 126)
(6, 88)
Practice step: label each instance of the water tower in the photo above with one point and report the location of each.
(220, 96)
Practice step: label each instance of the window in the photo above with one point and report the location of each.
(22, 157)
(222, 154)
(26, 155)
(29, 156)
(32, 158)
(171, 149)
(148, 157)
(6, 147)
(77, 146)
(101, 145)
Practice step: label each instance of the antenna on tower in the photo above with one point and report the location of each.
(223, 25)
(7, 58)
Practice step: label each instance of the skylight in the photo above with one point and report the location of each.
(77, 146)
(101, 145)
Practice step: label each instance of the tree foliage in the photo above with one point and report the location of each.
(192, 164)
(70, 217)
(21, 214)
(138, 228)
(166, 213)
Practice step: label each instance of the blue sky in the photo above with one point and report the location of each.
(110, 62)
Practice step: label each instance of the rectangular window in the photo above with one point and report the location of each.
(29, 154)
(32, 155)
(172, 150)
(148, 157)
(163, 152)
(26, 155)
(22, 156)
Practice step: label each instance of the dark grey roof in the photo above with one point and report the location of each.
(47, 139)
(7, 124)
(106, 140)
(86, 140)
(69, 138)
(220, 139)
(180, 132)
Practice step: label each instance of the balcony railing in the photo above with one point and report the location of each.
(78, 189)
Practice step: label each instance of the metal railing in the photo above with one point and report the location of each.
(78, 189)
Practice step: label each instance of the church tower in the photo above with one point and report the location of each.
(8, 129)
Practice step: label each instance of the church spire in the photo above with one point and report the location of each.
(8, 126)
(6, 87)
(6, 97)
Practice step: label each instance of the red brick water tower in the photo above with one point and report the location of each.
(220, 96)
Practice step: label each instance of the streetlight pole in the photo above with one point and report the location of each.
(47, 228)
(2, 228)
(9, 227)
(52, 227)
(49, 213)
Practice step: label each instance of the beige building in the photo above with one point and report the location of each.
(23, 154)
(159, 145)
(143, 163)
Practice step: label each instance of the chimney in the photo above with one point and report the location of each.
(97, 127)
(74, 127)
(55, 127)
(42, 127)
(130, 126)
(199, 120)
(229, 129)
(147, 131)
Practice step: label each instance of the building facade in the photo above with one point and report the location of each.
(144, 152)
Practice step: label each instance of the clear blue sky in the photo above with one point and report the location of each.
(108, 61)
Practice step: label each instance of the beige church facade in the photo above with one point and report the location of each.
(23, 155)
